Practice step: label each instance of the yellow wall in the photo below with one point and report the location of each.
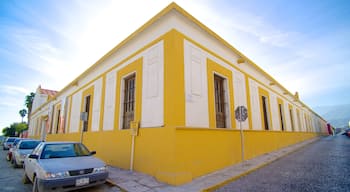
(259, 142)
(200, 151)
(174, 85)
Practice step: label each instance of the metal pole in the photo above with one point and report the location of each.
(242, 140)
(81, 136)
(132, 153)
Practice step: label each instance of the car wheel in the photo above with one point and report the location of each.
(25, 179)
(35, 185)
(15, 165)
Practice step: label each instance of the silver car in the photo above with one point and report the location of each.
(8, 143)
(22, 149)
(63, 166)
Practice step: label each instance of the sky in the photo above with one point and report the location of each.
(303, 44)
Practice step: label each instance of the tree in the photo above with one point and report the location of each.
(15, 129)
(23, 113)
(29, 103)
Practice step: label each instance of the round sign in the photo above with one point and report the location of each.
(241, 113)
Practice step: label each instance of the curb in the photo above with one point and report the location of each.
(214, 187)
(112, 183)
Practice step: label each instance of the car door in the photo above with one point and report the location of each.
(32, 164)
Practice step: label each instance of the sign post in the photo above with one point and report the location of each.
(83, 117)
(241, 114)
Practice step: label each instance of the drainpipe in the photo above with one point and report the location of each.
(132, 152)
(134, 129)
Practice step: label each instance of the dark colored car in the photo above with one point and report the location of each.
(347, 132)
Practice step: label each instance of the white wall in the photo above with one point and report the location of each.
(95, 124)
(109, 105)
(152, 114)
(255, 105)
(75, 112)
(240, 95)
(196, 86)
(288, 126)
(275, 119)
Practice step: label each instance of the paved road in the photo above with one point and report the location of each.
(321, 166)
(11, 179)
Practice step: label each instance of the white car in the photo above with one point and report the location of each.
(63, 166)
(22, 149)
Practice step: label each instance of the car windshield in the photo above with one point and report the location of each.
(28, 144)
(10, 140)
(62, 150)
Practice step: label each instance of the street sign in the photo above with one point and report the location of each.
(241, 113)
(84, 116)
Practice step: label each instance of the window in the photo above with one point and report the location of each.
(281, 116)
(220, 101)
(129, 101)
(291, 119)
(265, 112)
(58, 120)
(87, 110)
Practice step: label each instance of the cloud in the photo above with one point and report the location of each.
(10, 89)
(250, 23)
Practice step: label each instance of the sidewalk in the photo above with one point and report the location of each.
(139, 182)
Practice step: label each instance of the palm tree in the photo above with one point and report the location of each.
(29, 104)
(23, 113)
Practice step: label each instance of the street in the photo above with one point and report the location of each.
(321, 166)
(11, 179)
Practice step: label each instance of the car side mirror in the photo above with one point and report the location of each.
(33, 156)
(92, 152)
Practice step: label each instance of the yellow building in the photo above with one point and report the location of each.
(180, 83)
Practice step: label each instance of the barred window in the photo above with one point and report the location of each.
(129, 101)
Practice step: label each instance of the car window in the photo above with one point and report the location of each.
(10, 140)
(28, 144)
(38, 148)
(62, 150)
(16, 142)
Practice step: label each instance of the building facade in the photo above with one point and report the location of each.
(163, 102)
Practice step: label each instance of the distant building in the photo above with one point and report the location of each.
(43, 97)
(180, 83)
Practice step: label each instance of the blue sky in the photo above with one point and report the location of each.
(303, 44)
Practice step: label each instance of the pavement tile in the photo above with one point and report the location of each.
(133, 186)
(150, 182)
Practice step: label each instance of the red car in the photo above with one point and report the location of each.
(12, 147)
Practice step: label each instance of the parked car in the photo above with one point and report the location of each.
(347, 132)
(22, 149)
(8, 143)
(63, 166)
(13, 147)
(2, 139)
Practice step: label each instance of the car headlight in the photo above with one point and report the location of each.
(62, 174)
(100, 169)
